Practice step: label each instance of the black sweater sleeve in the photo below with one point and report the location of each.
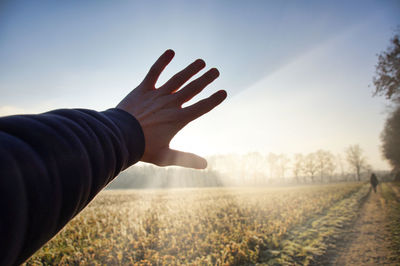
(52, 165)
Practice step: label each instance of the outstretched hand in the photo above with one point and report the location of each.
(160, 113)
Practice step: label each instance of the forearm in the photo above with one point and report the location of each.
(52, 165)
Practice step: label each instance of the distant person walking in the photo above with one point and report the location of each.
(374, 181)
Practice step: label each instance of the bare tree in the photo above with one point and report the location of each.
(272, 159)
(324, 161)
(330, 166)
(387, 78)
(310, 165)
(356, 159)
(283, 162)
(340, 165)
(298, 166)
(254, 164)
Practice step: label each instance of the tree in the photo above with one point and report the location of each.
(330, 167)
(283, 162)
(387, 78)
(387, 82)
(310, 165)
(253, 165)
(324, 162)
(272, 160)
(356, 159)
(298, 165)
(391, 141)
(340, 164)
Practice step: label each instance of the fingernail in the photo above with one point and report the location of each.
(214, 72)
(202, 164)
(222, 94)
(170, 52)
(200, 63)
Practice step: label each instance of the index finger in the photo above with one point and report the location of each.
(158, 67)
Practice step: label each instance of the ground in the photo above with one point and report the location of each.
(367, 241)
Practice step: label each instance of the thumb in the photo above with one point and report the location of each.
(185, 159)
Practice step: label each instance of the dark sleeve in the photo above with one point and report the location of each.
(52, 165)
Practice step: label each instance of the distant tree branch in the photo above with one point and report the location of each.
(387, 75)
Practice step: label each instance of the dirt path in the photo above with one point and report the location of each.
(367, 241)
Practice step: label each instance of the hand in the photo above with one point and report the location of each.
(160, 113)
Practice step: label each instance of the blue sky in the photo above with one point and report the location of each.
(297, 72)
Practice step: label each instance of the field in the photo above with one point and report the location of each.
(209, 226)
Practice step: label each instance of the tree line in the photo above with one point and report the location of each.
(387, 83)
(321, 166)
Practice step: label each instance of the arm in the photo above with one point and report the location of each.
(53, 164)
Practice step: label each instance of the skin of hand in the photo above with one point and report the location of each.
(160, 113)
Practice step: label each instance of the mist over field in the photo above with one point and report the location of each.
(252, 169)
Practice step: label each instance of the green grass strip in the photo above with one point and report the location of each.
(304, 245)
(392, 201)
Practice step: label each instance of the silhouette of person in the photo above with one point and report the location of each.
(53, 164)
(374, 181)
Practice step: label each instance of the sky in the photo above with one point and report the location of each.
(298, 73)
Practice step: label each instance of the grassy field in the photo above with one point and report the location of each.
(214, 226)
(391, 196)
